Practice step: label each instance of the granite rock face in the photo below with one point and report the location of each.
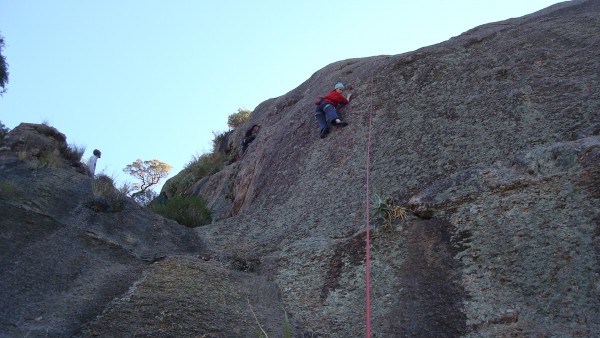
(491, 140)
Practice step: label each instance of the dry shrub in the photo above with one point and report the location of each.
(106, 198)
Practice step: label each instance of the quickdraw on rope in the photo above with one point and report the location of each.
(368, 240)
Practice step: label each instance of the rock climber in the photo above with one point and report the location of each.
(250, 136)
(326, 111)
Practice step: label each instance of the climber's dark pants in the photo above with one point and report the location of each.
(326, 113)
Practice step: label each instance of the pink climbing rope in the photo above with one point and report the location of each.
(368, 241)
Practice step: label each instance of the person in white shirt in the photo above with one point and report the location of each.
(91, 163)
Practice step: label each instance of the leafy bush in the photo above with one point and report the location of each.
(207, 164)
(198, 168)
(106, 198)
(236, 119)
(190, 211)
(180, 183)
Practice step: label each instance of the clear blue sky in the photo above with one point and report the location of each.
(153, 79)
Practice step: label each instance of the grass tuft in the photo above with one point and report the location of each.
(106, 198)
(73, 154)
(386, 210)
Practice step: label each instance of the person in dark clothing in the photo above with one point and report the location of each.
(250, 136)
(326, 111)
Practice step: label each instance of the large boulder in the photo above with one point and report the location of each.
(34, 139)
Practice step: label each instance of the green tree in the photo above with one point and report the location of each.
(236, 119)
(149, 173)
(3, 69)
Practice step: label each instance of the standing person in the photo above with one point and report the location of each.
(250, 136)
(91, 163)
(327, 109)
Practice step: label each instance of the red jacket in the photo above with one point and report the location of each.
(335, 98)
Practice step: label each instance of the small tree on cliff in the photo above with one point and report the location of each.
(149, 173)
(3, 69)
(236, 119)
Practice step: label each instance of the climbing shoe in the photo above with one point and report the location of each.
(324, 132)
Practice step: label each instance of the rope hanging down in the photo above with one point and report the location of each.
(368, 240)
